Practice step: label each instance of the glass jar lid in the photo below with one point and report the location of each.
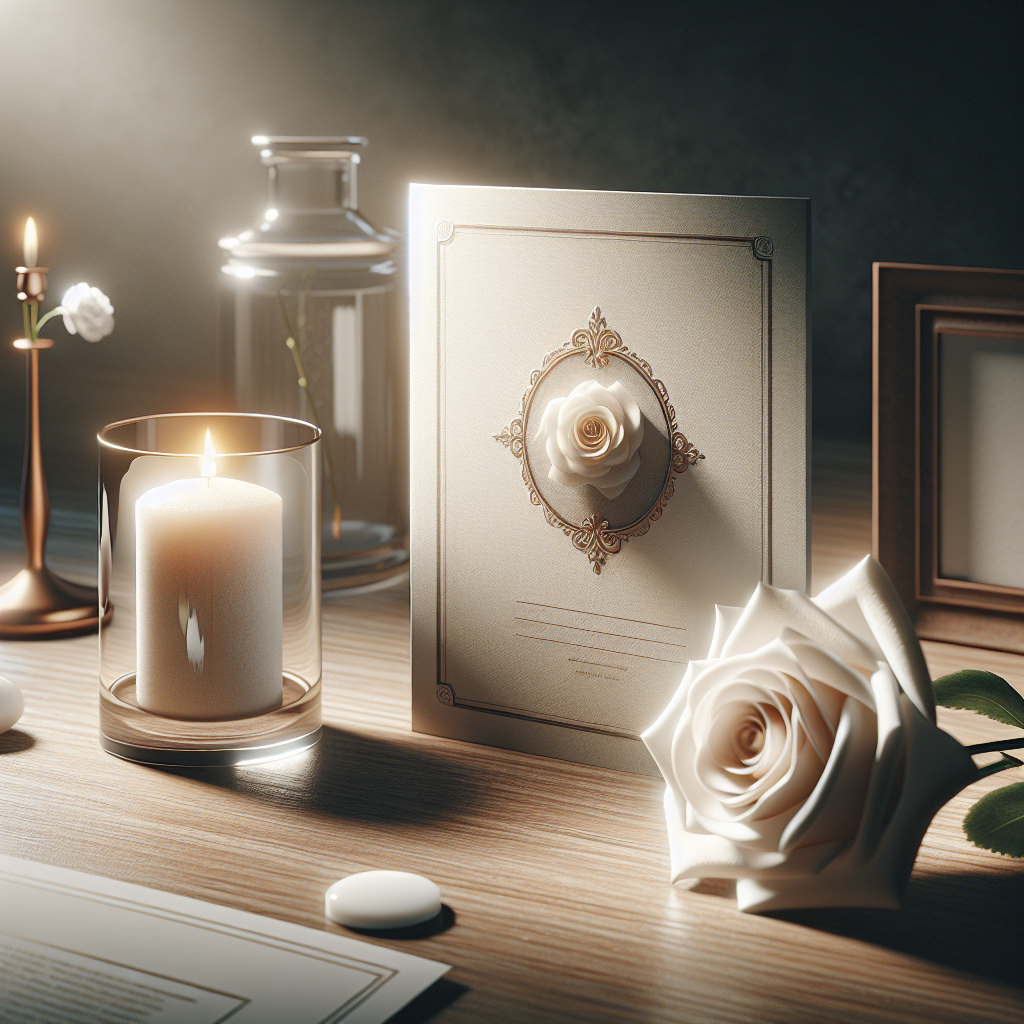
(312, 219)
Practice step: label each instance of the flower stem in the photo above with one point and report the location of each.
(53, 312)
(1008, 761)
(24, 316)
(1000, 745)
(33, 312)
(304, 384)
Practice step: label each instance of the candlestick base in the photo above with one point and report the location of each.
(37, 603)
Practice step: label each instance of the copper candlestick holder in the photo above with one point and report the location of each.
(36, 602)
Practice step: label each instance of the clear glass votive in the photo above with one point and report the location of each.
(209, 558)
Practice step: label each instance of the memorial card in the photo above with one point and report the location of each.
(609, 437)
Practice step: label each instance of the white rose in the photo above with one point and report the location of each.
(802, 756)
(87, 311)
(592, 436)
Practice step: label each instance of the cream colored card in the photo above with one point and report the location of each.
(609, 436)
(77, 948)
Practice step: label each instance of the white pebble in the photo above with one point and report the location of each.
(12, 704)
(382, 899)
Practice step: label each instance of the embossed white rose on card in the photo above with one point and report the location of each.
(614, 443)
(591, 437)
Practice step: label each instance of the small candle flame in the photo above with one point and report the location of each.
(31, 250)
(209, 458)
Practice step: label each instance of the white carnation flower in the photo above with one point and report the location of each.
(88, 312)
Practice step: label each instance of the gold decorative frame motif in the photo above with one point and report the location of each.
(598, 344)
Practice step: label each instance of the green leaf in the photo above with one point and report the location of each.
(984, 692)
(996, 821)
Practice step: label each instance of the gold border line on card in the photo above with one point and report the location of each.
(599, 632)
(607, 650)
(599, 664)
(600, 615)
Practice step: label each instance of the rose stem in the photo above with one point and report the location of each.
(1000, 745)
(1008, 761)
(304, 384)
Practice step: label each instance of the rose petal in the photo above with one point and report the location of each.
(726, 618)
(819, 663)
(565, 479)
(614, 482)
(937, 767)
(769, 610)
(793, 767)
(708, 856)
(776, 808)
(866, 602)
(658, 736)
(888, 748)
(735, 831)
(549, 421)
(819, 729)
(558, 460)
(630, 410)
(833, 809)
(772, 657)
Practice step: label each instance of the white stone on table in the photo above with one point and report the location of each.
(12, 704)
(380, 900)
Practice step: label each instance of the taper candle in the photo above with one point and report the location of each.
(30, 249)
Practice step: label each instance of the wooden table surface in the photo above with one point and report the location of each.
(556, 875)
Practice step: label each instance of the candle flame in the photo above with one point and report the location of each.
(209, 458)
(31, 250)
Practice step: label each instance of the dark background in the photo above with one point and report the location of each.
(125, 127)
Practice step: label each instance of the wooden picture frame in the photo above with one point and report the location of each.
(920, 313)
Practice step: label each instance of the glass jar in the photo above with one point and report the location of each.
(209, 588)
(312, 328)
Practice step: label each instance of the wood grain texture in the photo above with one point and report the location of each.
(556, 874)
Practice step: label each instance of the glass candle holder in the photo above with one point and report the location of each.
(209, 560)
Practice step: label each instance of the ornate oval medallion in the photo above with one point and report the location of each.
(597, 524)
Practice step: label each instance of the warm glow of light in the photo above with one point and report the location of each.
(228, 243)
(271, 214)
(31, 251)
(209, 458)
(260, 140)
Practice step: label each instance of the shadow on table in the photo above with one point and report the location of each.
(14, 741)
(429, 1003)
(440, 922)
(967, 921)
(356, 777)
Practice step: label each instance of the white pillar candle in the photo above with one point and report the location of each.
(208, 598)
